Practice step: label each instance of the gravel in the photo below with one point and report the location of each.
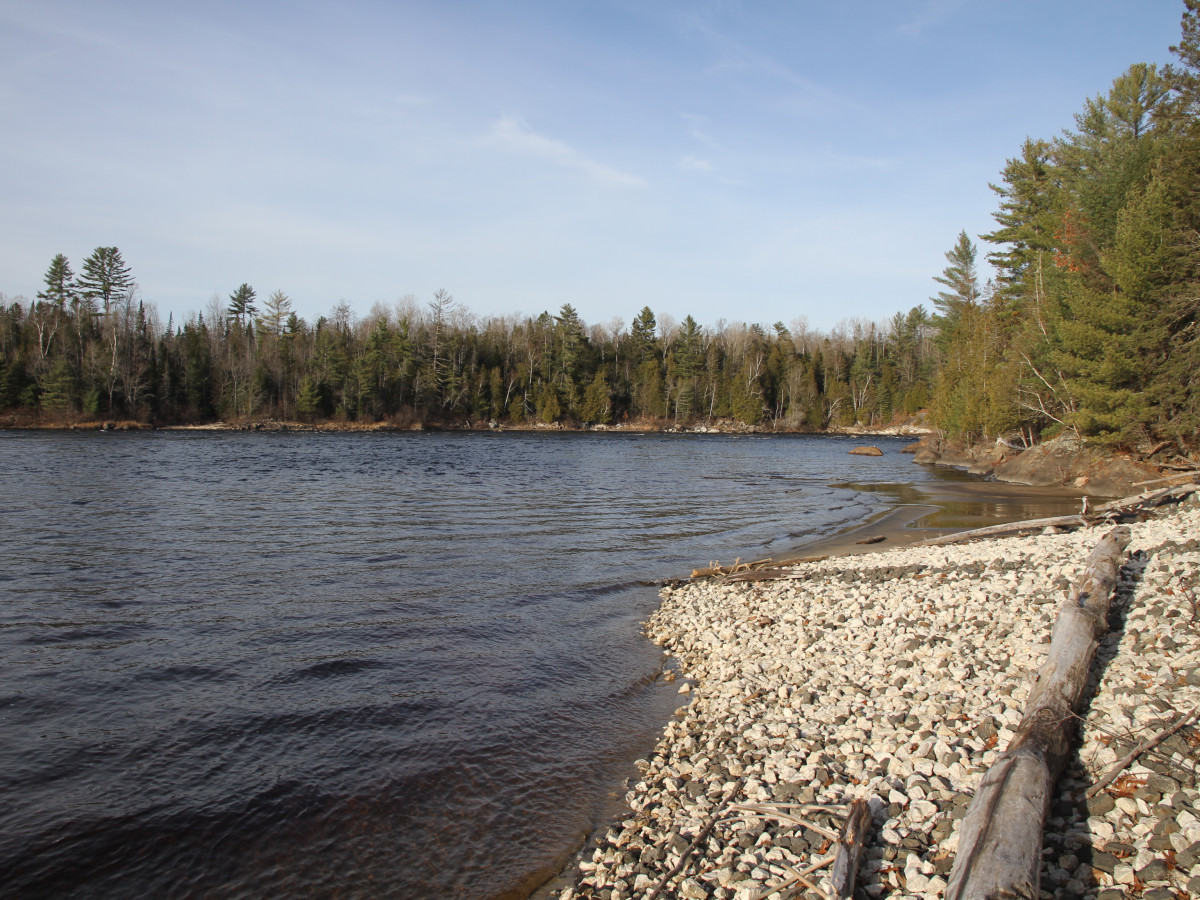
(898, 677)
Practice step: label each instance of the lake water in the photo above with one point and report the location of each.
(370, 665)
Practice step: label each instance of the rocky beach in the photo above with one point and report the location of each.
(898, 677)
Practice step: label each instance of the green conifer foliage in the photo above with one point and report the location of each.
(597, 401)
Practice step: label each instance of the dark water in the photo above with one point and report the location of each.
(292, 665)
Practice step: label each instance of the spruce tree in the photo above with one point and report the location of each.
(597, 401)
(642, 335)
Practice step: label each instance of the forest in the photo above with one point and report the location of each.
(1090, 323)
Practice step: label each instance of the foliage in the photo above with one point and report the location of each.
(437, 364)
(1093, 322)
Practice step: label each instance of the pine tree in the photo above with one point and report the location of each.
(961, 280)
(105, 277)
(1028, 218)
(1185, 78)
(241, 307)
(60, 283)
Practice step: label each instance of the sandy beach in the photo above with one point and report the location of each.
(898, 676)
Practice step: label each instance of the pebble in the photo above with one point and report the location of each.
(898, 677)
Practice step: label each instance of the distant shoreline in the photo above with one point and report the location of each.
(334, 427)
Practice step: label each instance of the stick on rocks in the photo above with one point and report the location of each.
(1149, 744)
(1000, 844)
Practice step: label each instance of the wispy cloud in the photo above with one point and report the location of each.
(735, 56)
(698, 130)
(694, 164)
(932, 13)
(513, 135)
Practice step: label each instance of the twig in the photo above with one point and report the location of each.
(696, 842)
(800, 879)
(793, 878)
(1127, 736)
(1141, 748)
(763, 812)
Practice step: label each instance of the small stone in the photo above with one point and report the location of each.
(1101, 805)
(917, 883)
(1128, 806)
(1163, 784)
(1155, 871)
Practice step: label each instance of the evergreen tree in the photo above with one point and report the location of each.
(241, 307)
(1184, 107)
(60, 283)
(685, 366)
(308, 401)
(642, 335)
(961, 282)
(597, 401)
(105, 277)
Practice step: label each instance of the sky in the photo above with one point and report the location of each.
(741, 161)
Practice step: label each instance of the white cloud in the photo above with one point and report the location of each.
(694, 164)
(513, 135)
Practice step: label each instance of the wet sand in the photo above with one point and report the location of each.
(958, 502)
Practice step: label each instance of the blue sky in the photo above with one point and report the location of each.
(746, 161)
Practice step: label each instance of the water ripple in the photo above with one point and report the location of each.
(246, 665)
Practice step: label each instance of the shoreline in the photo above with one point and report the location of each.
(897, 675)
(271, 426)
(933, 509)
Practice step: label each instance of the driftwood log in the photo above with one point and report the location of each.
(1013, 529)
(1113, 510)
(1000, 841)
(850, 848)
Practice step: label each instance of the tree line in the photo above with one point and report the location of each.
(1090, 324)
(88, 347)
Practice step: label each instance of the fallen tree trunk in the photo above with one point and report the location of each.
(1113, 510)
(1009, 529)
(1000, 840)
